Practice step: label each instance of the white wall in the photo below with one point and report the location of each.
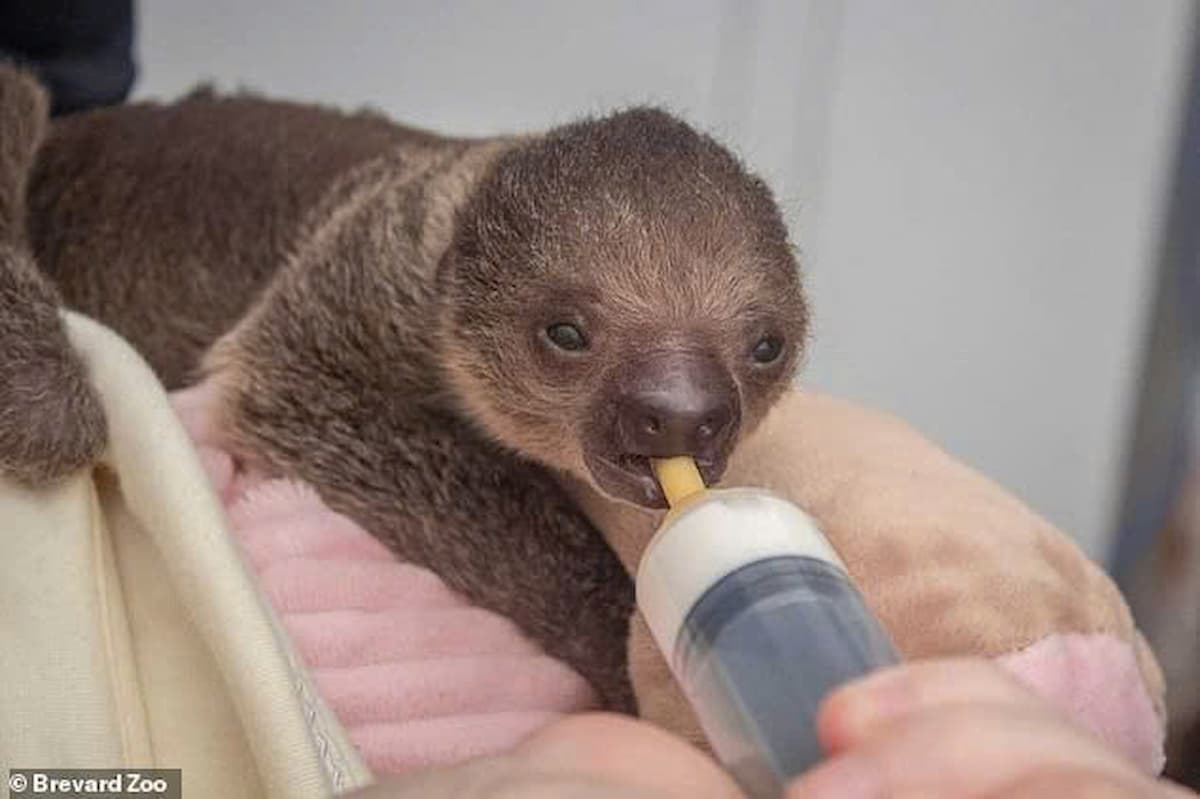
(756, 72)
(974, 185)
(989, 228)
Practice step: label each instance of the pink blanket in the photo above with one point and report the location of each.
(417, 676)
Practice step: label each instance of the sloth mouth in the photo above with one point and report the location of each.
(629, 477)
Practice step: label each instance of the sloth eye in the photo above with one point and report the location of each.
(566, 337)
(767, 350)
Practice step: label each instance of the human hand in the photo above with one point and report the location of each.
(961, 728)
(939, 728)
(585, 756)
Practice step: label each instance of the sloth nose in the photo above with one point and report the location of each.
(681, 405)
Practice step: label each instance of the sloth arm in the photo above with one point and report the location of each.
(50, 421)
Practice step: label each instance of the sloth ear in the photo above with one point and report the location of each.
(467, 267)
(446, 272)
(448, 293)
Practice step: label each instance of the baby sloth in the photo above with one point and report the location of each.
(448, 338)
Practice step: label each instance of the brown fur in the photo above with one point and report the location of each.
(367, 298)
(24, 111)
(50, 422)
(166, 221)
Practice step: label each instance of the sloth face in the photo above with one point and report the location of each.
(619, 290)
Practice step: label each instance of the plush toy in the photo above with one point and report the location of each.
(950, 562)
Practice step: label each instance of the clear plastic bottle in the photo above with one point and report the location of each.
(759, 621)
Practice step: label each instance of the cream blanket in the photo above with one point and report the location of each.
(132, 633)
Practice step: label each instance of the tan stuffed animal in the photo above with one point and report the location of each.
(950, 562)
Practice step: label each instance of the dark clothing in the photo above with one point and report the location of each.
(81, 49)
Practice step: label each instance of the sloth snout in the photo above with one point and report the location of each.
(677, 404)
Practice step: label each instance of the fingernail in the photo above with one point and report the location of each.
(845, 777)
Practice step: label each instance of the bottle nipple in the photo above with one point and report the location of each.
(678, 477)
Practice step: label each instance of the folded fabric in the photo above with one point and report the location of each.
(134, 636)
